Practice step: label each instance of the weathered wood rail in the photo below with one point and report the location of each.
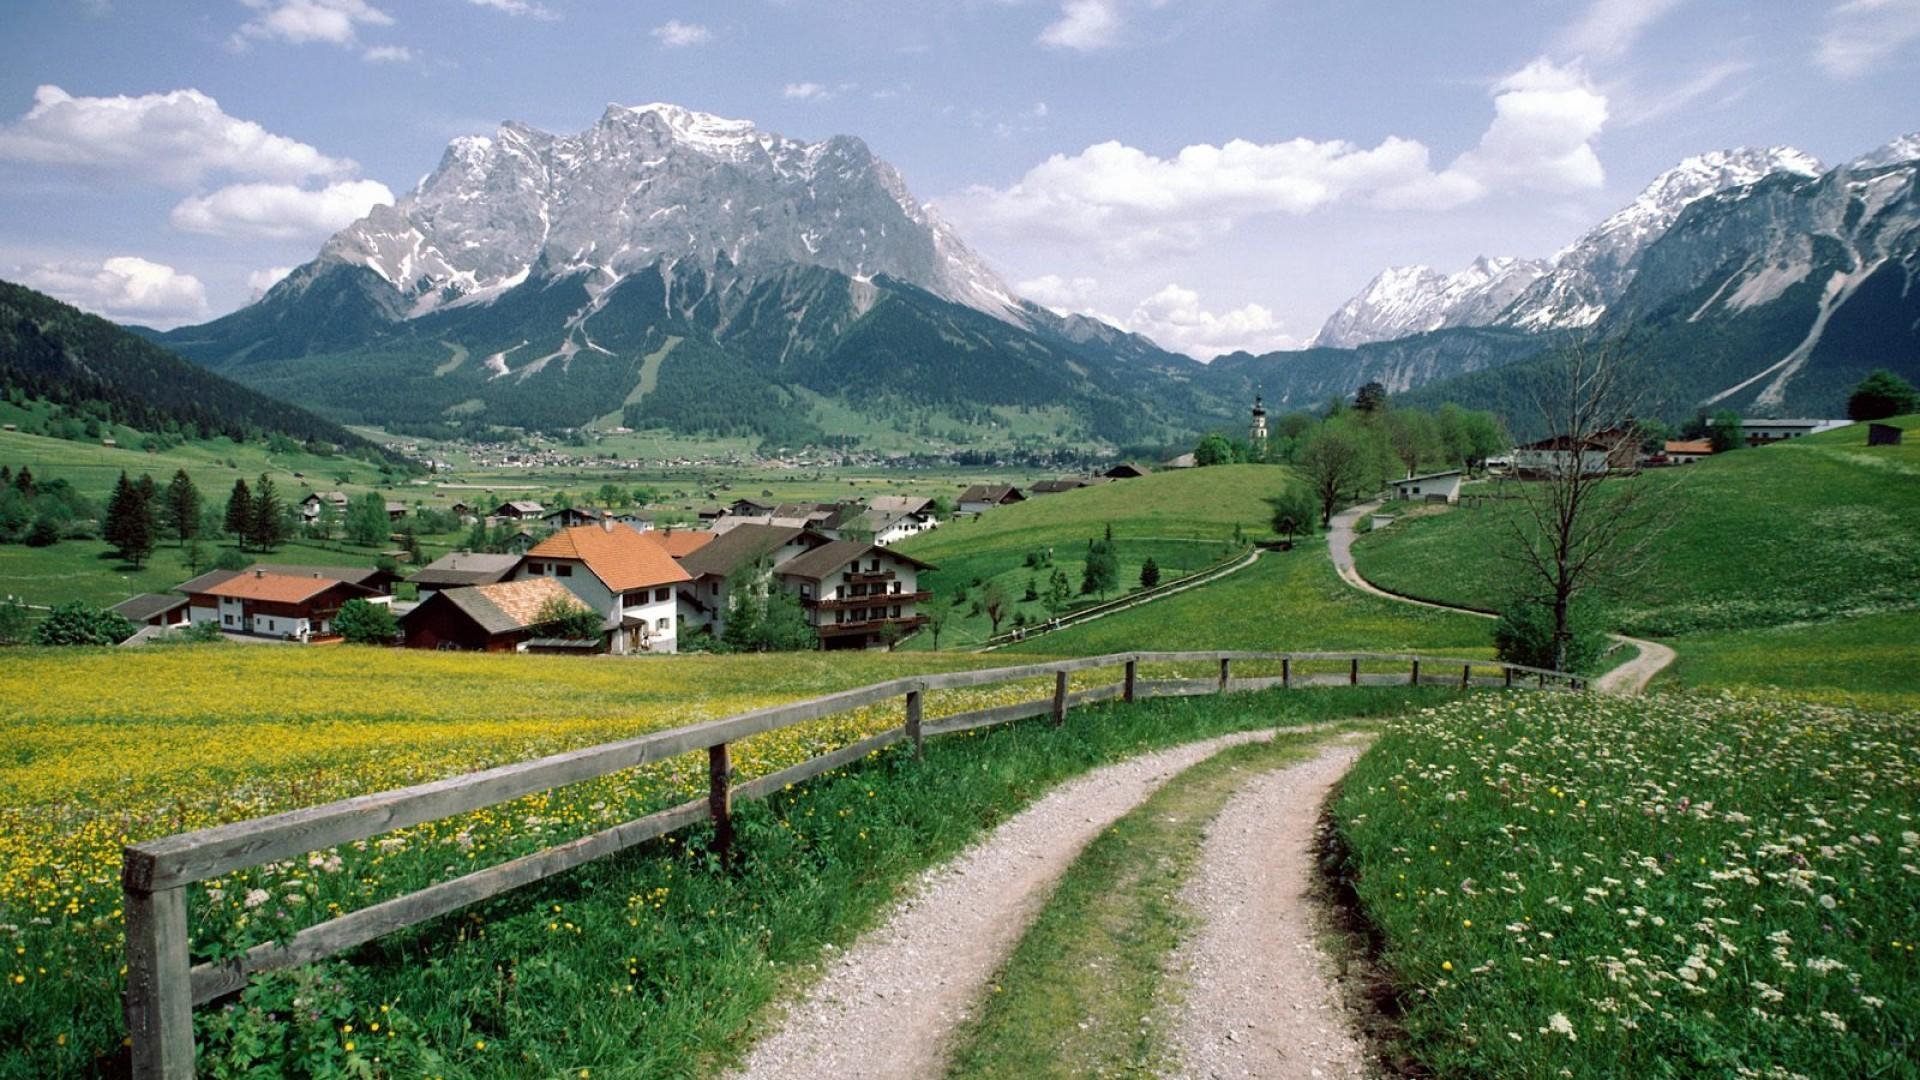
(164, 985)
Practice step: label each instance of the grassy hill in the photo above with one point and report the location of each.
(1183, 519)
(1818, 528)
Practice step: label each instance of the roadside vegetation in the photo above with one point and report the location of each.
(1675, 885)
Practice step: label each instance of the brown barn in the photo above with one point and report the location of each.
(482, 618)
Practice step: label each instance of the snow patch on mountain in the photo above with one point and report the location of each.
(1406, 300)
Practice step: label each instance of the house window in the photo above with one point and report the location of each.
(713, 588)
(896, 611)
(660, 595)
(873, 567)
(536, 568)
(896, 587)
(662, 624)
(563, 569)
(227, 620)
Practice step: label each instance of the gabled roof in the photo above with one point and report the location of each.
(1428, 476)
(280, 588)
(738, 546)
(465, 568)
(827, 559)
(521, 506)
(620, 557)
(901, 504)
(679, 543)
(991, 493)
(370, 576)
(1054, 487)
(146, 605)
(1691, 446)
(1125, 470)
(205, 581)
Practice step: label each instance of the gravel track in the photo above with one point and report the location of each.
(1258, 996)
(887, 1006)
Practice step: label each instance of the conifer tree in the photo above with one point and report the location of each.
(267, 523)
(130, 525)
(239, 520)
(180, 508)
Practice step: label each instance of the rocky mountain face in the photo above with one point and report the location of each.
(1407, 300)
(666, 267)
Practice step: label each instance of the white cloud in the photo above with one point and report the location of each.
(675, 34)
(1175, 319)
(260, 281)
(1061, 294)
(303, 22)
(176, 137)
(1085, 25)
(806, 91)
(1863, 34)
(1610, 27)
(1545, 118)
(518, 7)
(279, 211)
(387, 54)
(124, 286)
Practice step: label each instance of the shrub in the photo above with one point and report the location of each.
(1524, 635)
(365, 623)
(77, 624)
(560, 617)
(16, 622)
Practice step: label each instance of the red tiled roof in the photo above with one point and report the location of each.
(679, 543)
(277, 588)
(620, 557)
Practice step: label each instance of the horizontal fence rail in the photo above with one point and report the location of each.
(164, 986)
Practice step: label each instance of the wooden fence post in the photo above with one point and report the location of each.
(720, 799)
(1133, 666)
(1059, 698)
(1415, 680)
(1466, 676)
(1353, 676)
(1286, 673)
(1225, 673)
(1509, 673)
(159, 1002)
(913, 721)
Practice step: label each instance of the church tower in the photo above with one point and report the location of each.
(1257, 435)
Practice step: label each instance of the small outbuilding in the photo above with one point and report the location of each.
(1688, 451)
(500, 617)
(1883, 435)
(1441, 487)
(155, 609)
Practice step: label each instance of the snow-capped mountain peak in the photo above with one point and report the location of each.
(1904, 149)
(1406, 300)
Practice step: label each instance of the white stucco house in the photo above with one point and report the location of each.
(619, 572)
(1430, 487)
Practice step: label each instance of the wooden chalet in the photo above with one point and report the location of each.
(714, 568)
(980, 498)
(462, 569)
(498, 617)
(857, 595)
(273, 605)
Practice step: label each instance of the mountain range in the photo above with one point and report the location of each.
(666, 268)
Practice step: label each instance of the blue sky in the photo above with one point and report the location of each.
(1215, 173)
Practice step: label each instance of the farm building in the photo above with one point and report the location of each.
(706, 600)
(273, 605)
(155, 609)
(1614, 448)
(396, 510)
(1883, 435)
(857, 595)
(498, 617)
(1687, 451)
(1759, 431)
(1126, 470)
(310, 506)
(618, 572)
(1430, 487)
(462, 569)
(520, 510)
(980, 498)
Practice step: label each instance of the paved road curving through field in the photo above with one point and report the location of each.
(1629, 678)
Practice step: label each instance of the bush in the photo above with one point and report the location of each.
(1524, 635)
(231, 559)
(1880, 395)
(16, 623)
(75, 623)
(365, 623)
(560, 617)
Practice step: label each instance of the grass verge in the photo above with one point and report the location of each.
(1085, 992)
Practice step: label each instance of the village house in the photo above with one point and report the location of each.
(1443, 487)
(1058, 487)
(396, 510)
(462, 569)
(519, 510)
(273, 605)
(1686, 451)
(164, 610)
(893, 518)
(706, 600)
(857, 595)
(679, 543)
(497, 617)
(1614, 448)
(1759, 431)
(619, 573)
(310, 506)
(981, 498)
(1126, 470)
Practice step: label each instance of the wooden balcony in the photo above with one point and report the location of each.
(857, 578)
(829, 603)
(870, 626)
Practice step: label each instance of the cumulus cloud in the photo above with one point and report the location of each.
(1084, 26)
(304, 22)
(805, 91)
(125, 286)
(675, 34)
(1610, 27)
(1063, 295)
(260, 281)
(176, 138)
(1136, 204)
(1175, 319)
(518, 7)
(1861, 35)
(387, 54)
(279, 211)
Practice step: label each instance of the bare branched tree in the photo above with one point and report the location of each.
(1587, 519)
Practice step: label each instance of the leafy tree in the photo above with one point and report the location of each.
(1293, 512)
(1880, 395)
(1215, 449)
(1485, 438)
(239, 519)
(45, 532)
(1370, 398)
(1525, 635)
(561, 617)
(365, 623)
(1059, 591)
(367, 519)
(230, 559)
(993, 599)
(1335, 460)
(130, 522)
(1726, 432)
(1149, 573)
(937, 621)
(267, 516)
(1412, 437)
(74, 623)
(1102, 573)
(180, 507)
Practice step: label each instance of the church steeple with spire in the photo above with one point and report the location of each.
(1257, 434)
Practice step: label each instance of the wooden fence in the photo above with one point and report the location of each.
(164, 986)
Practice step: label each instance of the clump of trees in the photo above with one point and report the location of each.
(1294, 511)
(257, 517)
(75, 623)
(39, 513)
(1880, 395)
(363, 622)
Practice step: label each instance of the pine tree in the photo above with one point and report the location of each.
(129, 525)
(239, 520)
(180, 508)
(267, 523)
(1149, 573)
(23, 482)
